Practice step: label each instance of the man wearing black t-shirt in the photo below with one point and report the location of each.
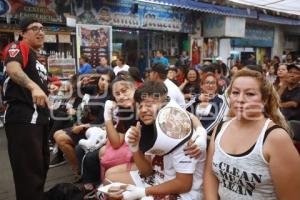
(290, 98)
(27, 114)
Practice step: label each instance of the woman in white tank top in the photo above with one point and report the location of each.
(252, 157)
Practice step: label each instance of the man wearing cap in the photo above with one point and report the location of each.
(158, 72)
(290, 98)
(27, 114)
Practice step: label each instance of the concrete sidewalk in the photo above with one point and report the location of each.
(7, 192)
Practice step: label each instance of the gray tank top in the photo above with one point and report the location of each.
(244, 177)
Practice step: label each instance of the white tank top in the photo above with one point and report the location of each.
(244, 177)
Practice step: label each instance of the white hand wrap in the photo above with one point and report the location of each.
(132, 192)
(132, 148)
(108, 110)
(200, 138)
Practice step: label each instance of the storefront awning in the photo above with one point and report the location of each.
(284, 6)
(206, 7)
(278, 20)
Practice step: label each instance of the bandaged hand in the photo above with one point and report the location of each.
(200, 138)
(133, 192)
(108, 110)
(133, 136)
(197, 143)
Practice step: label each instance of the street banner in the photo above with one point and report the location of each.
(94, 41)
(135, 14)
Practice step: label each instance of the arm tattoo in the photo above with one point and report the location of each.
(21, 78)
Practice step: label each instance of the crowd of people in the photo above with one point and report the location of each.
(245, 105)
(180, 132)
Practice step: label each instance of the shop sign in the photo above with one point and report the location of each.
(223, 26)
(44, 10)
(64, 38)
(94, 41)
(256, 36)
(62, 67)
(129, 14)
(50, 39)
(4, 7)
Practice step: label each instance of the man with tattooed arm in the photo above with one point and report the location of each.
(27, 114)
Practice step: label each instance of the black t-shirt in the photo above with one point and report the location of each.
(96, 104)
(127, 118)
(291, 95)
(20, 105)
(148, 137)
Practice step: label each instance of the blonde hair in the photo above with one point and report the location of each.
(269, 96)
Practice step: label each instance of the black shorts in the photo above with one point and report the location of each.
(75, 137)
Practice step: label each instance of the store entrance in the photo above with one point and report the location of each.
(125, 44)
(130, 44)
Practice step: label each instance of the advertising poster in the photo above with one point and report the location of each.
(211, 46)
(94, 41)
(62, 68)
(196, 44)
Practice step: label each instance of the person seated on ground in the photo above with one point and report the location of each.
(92, 114)
(162, 172)
(88, 83)
(119, 115)
(208, 106)
(190, 86)
(62, 117)
(89, 160)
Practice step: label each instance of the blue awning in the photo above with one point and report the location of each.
(278, 20)
(206, 7)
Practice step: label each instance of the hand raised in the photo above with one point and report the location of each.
(133, 137)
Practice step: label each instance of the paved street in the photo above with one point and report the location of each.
(55, 175)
